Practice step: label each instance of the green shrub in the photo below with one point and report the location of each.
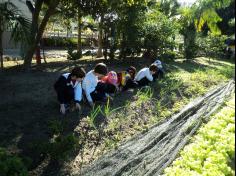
(60, 42)
(11, 165)
(62, 147)
(212, 46)
(169, 55)
(56, 127)
(73, 55)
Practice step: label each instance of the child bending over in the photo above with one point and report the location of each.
(126, 79)
(69, 90)
(145, 76)
(93, 91)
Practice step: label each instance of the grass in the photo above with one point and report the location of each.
(212, 150)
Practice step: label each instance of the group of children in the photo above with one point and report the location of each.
(99, 84)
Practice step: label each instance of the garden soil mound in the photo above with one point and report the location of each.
(148, 154)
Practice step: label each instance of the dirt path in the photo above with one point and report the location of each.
(150, 153)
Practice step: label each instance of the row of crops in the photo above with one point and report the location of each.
(212, 150)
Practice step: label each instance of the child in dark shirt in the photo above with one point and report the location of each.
(69, 90)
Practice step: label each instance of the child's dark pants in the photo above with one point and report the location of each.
(66, 96)
(143, 82)
(130, 84)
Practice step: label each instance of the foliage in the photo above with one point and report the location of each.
(169, 55)
(188, 30)
(59, 42)
(12, 19)
(93, 115)
(11, 165)
(62, 147)
(169, 7)
(73, 55)
(131, 18)
(37, 26)
(211, 150)
(56, 127)
(206, 13)
(159, 32)
(144, 95)
(212, 46)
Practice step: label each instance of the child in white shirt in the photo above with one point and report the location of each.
(145, 76)
(90, 84)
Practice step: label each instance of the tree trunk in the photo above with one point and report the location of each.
(79, 46)
(1, 50)
(37, 32)
(113, 44)
(105, 53)
(99, 53)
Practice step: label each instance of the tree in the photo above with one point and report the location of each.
(159, 31)
(38, 26)
(205, 12)
(169, 7)
(194, 19)
(189, 31)
(227, 15)
(130, 23)
(11, 18)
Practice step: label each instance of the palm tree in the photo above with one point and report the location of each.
(12, 19)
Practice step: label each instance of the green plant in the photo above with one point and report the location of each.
(108, 111)
(93, 115)
(212, 149)
(11, 165)
(144, 95)
(169, 55)
(62, 146)
(212, 46)
(73, 55)
(55, 127)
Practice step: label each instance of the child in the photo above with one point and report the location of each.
(145, 76)
(111, 82)
(90, 86)
(126, 79)
(68, 88)
(160, 72)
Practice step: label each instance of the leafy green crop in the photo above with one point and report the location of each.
(212, 149)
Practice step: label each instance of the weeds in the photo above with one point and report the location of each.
(11, 165)
(93, 115)
(62, 147)
(56, 127)
(144, 95)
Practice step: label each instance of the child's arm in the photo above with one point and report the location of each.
(60, 87)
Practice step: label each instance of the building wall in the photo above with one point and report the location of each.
(7, 44)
